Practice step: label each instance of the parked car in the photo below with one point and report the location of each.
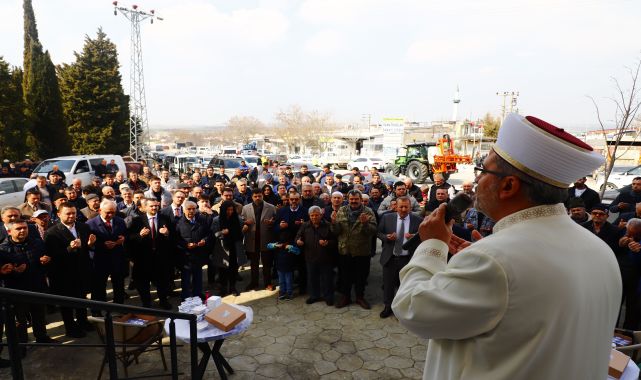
(12, 191)
(620, 177)
(310, 168)
(365, 163)
(83, 167)
(229, 163)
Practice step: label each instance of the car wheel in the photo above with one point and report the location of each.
(609, 186)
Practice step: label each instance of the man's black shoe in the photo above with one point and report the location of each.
(311, 300)
(387, 311)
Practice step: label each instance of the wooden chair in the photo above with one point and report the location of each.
(143, 338)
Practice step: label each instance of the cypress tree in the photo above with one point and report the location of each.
(95, 106)
(48, 135)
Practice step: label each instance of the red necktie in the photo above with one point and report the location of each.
(152, 226)
(108, 225)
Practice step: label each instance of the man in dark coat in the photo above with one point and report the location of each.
(393, 257)
(319, 247)
(109, 255)
(193, 237)
(580, 190)
(626, 200)
(600, 226)
(68, 243)
(149, 236)
(22, 261)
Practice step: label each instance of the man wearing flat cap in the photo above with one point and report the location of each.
(539, 298)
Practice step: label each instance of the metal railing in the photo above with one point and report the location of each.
(10, 296)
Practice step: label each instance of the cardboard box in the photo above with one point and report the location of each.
(225, 317)
(618, 362)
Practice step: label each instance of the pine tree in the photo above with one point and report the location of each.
(95, 106)
(48, 134)
(12, 119)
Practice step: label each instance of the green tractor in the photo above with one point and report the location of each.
(421, 160)
(414, 163)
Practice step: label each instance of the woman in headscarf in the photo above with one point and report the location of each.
(229, 254)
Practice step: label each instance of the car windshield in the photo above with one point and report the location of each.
(47, 166)
(232, 164)
(376, 159)
(251, 160)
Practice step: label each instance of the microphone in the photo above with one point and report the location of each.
(456, 206)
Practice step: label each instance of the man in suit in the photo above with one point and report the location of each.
(68, 243)
(33, 204)
(174, 211)
(259, 219)
(193, 237)
(150, 247)
(288, 221)
(394, 229)
(109, 255)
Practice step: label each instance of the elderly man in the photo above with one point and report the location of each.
(319, 247)
(259, 217)
(354, 225)
(68, 243)
(109, 253)
(440, 197)
(468, 188)
(413, 190)
(440, 183)
(242, 194)
(193, 236)
(93, 207)
(22, 266)
(394, 229)
(496, 310)
(600, 226)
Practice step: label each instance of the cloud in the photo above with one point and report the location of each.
(446, 49)
(325, 43)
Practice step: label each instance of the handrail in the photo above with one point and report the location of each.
(23, 296)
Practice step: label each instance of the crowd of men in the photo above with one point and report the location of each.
(304, 229)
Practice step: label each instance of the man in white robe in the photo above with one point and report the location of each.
(539, 298)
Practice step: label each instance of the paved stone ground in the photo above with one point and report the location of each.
(287, 340)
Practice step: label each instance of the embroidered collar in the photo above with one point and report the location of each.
(530, 213)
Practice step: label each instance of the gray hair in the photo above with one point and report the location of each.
(634, 222)
(537, 191)
(106, 203)
(323, 196)
(338, 194)
(6, 209)
(314, 209)
(187, 204)
(306, 185)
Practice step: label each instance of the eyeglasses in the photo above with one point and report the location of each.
(482, 170)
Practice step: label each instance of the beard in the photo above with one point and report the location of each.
(486, 199)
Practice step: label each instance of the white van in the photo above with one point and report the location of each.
(83, 167)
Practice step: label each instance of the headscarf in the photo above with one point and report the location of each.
(231, 223)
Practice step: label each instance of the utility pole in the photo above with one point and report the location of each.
(513, 95)
(138, 122)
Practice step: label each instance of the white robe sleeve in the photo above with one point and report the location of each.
(459, 300)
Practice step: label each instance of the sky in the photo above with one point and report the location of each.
(210, 60)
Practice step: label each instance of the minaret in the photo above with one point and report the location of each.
(456, 101)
